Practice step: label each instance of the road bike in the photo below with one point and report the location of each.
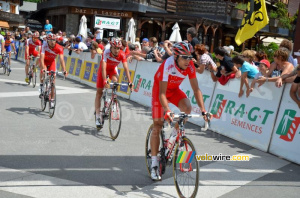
(32, 73)
(185, 173)
(47, 89)
(111, 110)
(4, 64)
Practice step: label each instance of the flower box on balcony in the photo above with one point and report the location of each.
(237, 13)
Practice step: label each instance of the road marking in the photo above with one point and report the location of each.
(217, 183)
(37, 185)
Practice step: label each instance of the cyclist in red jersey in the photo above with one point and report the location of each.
(30, 49)
(167, 80)
(108, 67)
(50, 50)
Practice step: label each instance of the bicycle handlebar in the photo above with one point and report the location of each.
(181, 116)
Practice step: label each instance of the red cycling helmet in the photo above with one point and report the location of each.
(36, 34)
(116, 43)
(51, 36)
(182, 48)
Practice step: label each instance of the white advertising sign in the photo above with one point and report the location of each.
(143, 82)
(107, 23)
(248, 120)
(286, 134)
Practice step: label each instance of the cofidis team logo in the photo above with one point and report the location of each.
(288, 125)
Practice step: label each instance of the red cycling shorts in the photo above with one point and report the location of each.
(110, 73)
(50, 65)
(174, 96)
(34, 53)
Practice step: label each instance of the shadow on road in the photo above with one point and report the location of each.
(84, 129)
(29, 110)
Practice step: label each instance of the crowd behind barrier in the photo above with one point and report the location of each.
(267, 120)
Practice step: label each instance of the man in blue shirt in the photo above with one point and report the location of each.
(48, 27)
(248, 71)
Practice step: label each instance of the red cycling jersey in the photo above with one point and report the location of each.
(50, 55)
(111, 65)
(169, 72)
(32, 47)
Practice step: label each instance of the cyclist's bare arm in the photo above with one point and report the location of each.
(103, 70)
(198, 94)
(39, 50)
(42, 61)
(27, 50)
(162, 95)
(62, 62)
(2, 46)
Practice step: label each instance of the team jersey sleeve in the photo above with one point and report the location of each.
(164, 68)
(123, 56)
(39, 43)
(192, 70)
(61, 51)
(105, 54)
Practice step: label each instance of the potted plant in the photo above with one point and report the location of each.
(273, 22)
(238, 11)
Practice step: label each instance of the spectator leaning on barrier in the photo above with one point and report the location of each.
(260, 55)
(248, 71)
(105, 43)
(295, 88)
(249, 56)
(226, 70)
(99, 41)
(289, 46)
(264, 66)
(95, 50)
(203, 61)
(281, 65)
(293, 74)
(81, 46)
(168, 50)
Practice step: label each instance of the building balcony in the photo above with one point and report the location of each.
(11, 18)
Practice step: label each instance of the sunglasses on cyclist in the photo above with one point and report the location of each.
(186, 57)
(51, 40)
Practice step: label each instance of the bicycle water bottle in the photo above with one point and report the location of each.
(171, 142)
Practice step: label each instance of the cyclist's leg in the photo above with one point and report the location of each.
(99, 92)
(9, 58)
(52, 67)
(26, 66)
(157, 115)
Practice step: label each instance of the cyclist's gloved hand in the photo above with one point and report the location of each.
(106, 84)
(206, 116)
(130, 86)
(169, 116)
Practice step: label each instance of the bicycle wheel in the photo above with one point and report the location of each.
(148, 148)
(7, 68)
(186, 175)
(33, 77)
(4, 68)
(29, 76)
(52, 109)
(115, 116)
(44, 96)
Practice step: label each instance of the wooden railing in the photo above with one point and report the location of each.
(208, 7)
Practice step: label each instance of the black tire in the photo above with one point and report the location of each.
(52, 110)
(186, 145)
(115, 119)
(44, 96)
(7, 68)
(33, 78)
(30, 77)
(148, 149)
(4, 68)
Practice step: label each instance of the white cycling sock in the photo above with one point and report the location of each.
(154, 160)
(97, 116)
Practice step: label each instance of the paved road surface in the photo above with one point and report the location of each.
(66, 157)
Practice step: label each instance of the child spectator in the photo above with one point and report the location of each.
(247, 70)
(203, 59)
(264, 66)
(226, 71)
(95, 49)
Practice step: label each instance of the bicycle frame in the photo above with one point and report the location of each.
(113, 97)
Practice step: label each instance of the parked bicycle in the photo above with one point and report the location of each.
(32, 71)
(4, 64)
(111, 110)
(48, 92)
(186, 174)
